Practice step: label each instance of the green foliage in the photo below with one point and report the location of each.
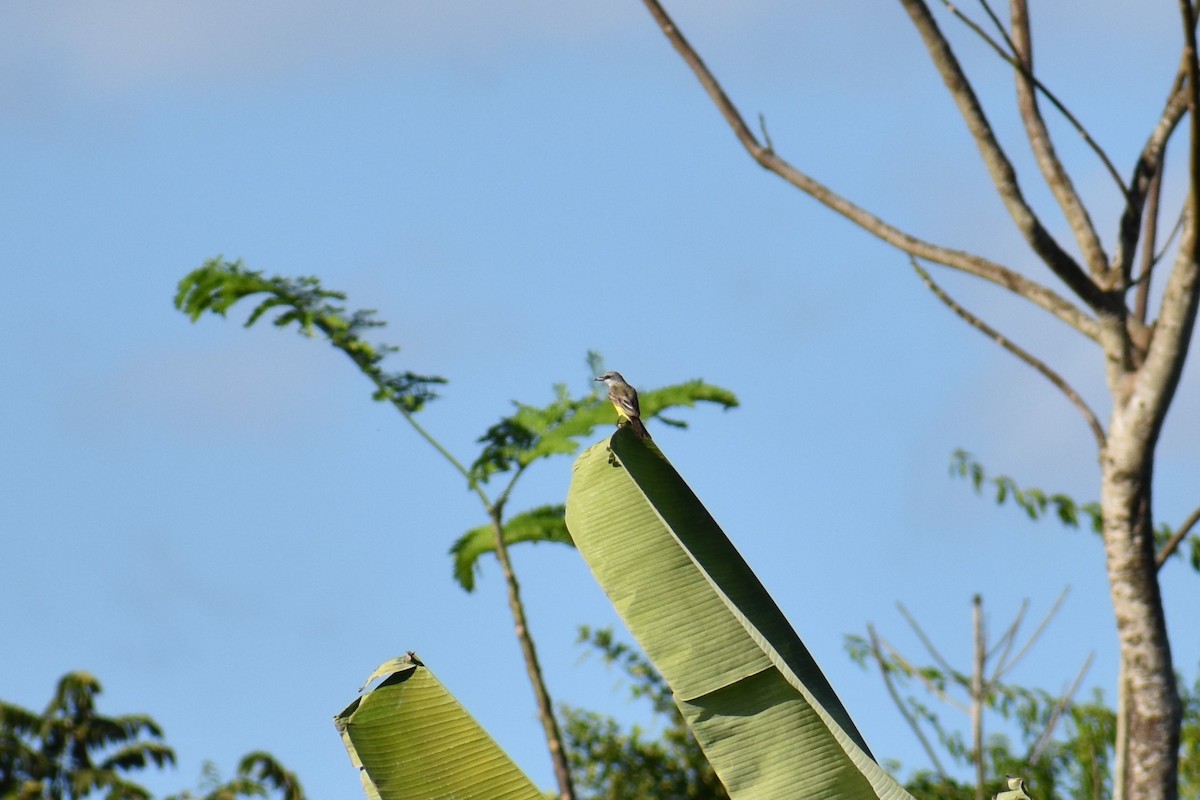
(556, 429)
(1074, 762)
(70, 751)
(218, 285)
(530, 433)
(1033, 501)
(1037, 504)
(687, 394)
(510, 446)
(258, 775)
(541, 524)
(610, 764)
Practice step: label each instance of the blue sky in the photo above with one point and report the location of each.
(223, 527)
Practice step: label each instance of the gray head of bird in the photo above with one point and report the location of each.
(610, 378)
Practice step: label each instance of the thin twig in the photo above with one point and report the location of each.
(1003, 667)
(930, 686)
(1063, 703)
(1176, 539)
(1149, 162)
(1009, 638)
(1175, 231)
(762, 125)
(995, 18)
(900, 706)
(987, 330)
(945, 665)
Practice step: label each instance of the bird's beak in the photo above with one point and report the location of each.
(599, 379)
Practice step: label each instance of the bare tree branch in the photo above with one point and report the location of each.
(1149, 244)
(1009, 637)
(1149, 163)
(1172, 544)
(903, 709)
(1004, 177)
(1043, 147)
(1064, 702)
(930, 686)
(1002, 668)
(1008, 57)
(1158, 378)
(999, 26)
(1088, 415)
(1039, 295)
(945, 665)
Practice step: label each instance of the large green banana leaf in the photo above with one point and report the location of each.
(765, 715)
(411, 740)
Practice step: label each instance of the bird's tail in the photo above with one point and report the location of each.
(639, 427)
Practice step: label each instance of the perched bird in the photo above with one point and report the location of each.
(625, 400)
(1016, 789)
(1016, 784)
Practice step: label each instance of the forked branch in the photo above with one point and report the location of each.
(1149, 165)
(1053, 171)
(1004, 176)
(1007, 56)
(765, 155)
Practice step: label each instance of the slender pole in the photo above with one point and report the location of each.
(558, 756)
(977, 694)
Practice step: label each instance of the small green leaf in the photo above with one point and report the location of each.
(541, 524)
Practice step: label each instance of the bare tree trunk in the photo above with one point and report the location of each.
(1148, 707)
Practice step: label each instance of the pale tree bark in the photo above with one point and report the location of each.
(1142, 361)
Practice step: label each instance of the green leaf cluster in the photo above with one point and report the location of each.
(509, 446)
(1033, 501)
(258, 775)
(217, 285)
(70, 751)
(1058, 768)
(532, 433)
(1076, 762)
(1037, 504)
(541, 524)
